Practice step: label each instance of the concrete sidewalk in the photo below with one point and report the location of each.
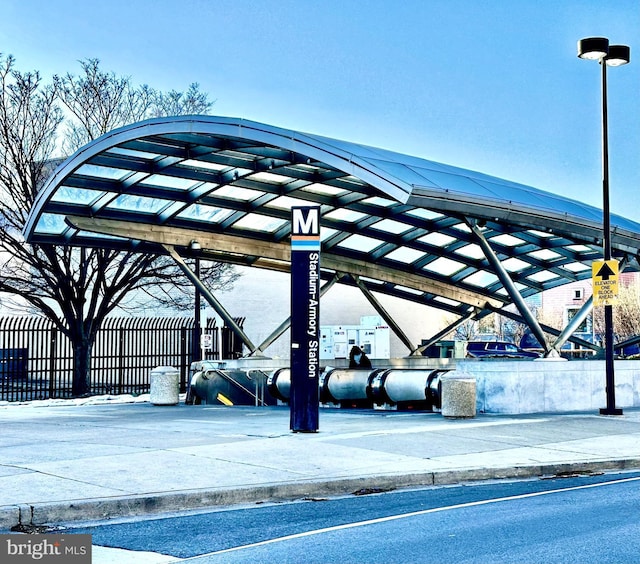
(66, 462)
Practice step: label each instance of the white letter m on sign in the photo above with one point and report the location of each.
(308, 225)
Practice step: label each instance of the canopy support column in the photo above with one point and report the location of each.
(509, 286)
(385, 315)
(211, 299)
(571, 327)
(451, 327)
(277, 333)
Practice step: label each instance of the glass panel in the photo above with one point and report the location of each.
(342, 214)
(138, 203)
(202, 212)
(237, 193)
(545, 254)
(286, 203)
(444, 266)
(80, 196)
(391, 226)
(580, 248)
(327, 233)
(102, 172)
(514, 264)
(205, 165)
(577, 267)
(409, 290)
(323, 189)
(270, 177)
(381, 202)
(168, 182)
(446, 301)
(542, 276)
(482, 279)
(360, 243)
(424, 213)
(540, 233)
(132, 153)
(405, 255)
(257, 222)
(507, 240)
(437, 239)
(51, 223)
(472, 251)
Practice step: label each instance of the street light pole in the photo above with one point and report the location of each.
(598, 48)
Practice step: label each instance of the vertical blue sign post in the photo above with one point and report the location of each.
(305, 318)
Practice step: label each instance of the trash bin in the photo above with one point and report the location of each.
(458, 396)
(164, 386)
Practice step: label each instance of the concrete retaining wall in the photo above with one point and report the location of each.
(547, 386)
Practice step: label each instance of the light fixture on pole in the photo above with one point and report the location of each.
(197, 331)
(598, 49)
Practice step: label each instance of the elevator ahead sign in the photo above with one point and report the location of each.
(604, 275)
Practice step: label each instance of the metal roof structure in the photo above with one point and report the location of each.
(454, 239)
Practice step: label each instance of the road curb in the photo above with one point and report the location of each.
(56, 513)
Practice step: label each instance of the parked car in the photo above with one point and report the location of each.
(482, 349)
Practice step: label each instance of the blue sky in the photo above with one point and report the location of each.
(490, 85)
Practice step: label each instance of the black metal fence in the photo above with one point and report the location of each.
(36, 359)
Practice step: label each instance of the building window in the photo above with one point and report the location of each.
(578, 293)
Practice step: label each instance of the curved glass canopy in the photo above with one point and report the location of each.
(455, 239)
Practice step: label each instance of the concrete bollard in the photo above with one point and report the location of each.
(458, 396)
(164, 386)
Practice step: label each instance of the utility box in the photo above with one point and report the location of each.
(373, 336)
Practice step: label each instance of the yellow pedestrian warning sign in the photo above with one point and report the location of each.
(604, 274)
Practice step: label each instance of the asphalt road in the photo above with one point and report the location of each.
(565, 520)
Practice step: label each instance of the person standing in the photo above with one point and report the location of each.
(357, 358)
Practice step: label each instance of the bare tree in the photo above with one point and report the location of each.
(626, 313)
(75, 288)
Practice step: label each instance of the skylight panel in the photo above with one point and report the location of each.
(405, 255)
(52, 223)
(437, 239)
(409, 290)
(481, 279)
(444, 266)
(324, 189)
(286, 203)
(391, 226)
(141, 204)
(133, 153)
(507, 240)
(237, 193)
(540, 233)
(446, 301)
(542, 276)
(257, 222)
(270, 177)
(168, 182)
(545, 254)
(577, 267)
(201, 212)
(206, 165)
(472, 251)
(327, 233)
(424, 213)
(107, 172)
(514, 264)
(343, 214)
(380, 202)
(580, 248)
(79, 196)
(360, 243)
